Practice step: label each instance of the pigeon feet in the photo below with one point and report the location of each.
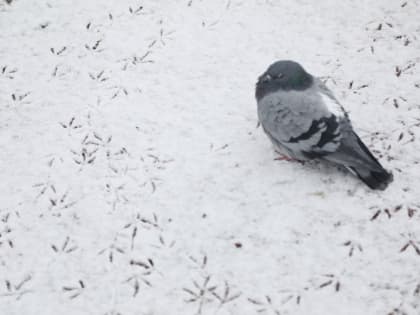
(283, 157)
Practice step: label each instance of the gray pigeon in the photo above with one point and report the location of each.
(305, 121)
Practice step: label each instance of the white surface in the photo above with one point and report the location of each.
(187, 168)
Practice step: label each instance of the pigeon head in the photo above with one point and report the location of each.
(283, 75)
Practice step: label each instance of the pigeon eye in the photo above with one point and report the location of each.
(279, 76)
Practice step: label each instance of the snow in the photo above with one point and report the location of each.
(135, 179)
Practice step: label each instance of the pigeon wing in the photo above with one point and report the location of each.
(301, 122)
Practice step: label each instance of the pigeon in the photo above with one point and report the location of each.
(305, 121)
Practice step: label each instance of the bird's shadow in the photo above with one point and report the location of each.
(328, 171)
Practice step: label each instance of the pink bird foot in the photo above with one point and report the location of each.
(283, 157)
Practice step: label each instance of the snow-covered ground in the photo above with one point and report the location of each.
(134, 179)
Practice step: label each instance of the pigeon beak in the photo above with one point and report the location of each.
(265, 78)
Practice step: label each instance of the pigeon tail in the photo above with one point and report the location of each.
(373, 179)
(374, 175)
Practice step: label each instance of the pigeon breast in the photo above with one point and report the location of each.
(306, 123)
